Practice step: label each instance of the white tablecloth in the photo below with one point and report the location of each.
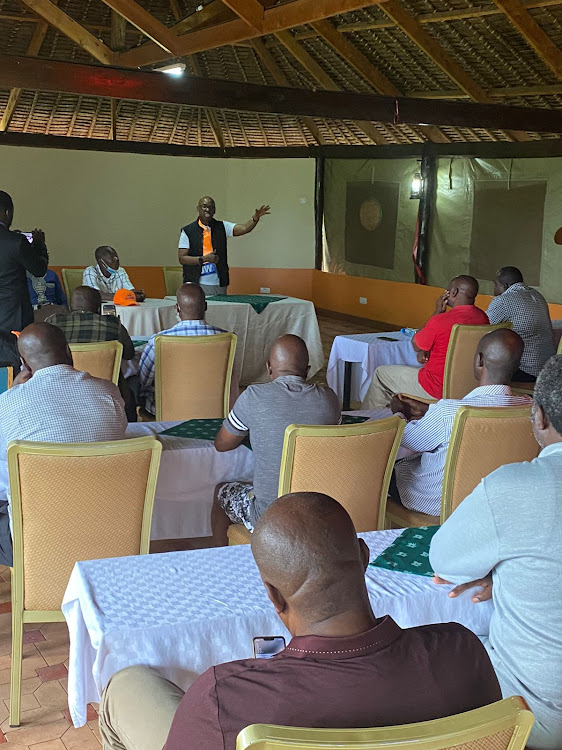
(256, 333)
(183, 612)
(370, 351)
(189, 473)
(148, 318)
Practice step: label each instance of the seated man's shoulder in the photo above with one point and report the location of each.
(444, 640)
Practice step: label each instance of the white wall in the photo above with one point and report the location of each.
(137, 204)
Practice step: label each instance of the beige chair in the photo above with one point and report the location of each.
(351, 463)
(71, 278)
(193, 376)
(101, 359)
(504, 725)
(482, 440)
(173, 279)
(69, 503)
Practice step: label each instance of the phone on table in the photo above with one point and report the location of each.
(108, 308)
(387, 338)
(266, 646)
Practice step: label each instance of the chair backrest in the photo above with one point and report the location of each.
(351, 463)
(458, 378)
(101, 359)
(173, 279)
(70, 502)
(482, 440)
(6, 378)
(559, 348)
(71, 278)
(504, 725)
(192, 376)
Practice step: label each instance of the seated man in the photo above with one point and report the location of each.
(528, 310)
(191, 307)
(418, 479)
(264, 412)
(507, 534)
(52, 402)
(45, 290)
(430, 343)
(343, 668)
(107, 276)
(86, 325)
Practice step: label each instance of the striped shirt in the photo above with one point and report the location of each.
(528, 310)
(94, 277)
(147, 365)
(419, 478)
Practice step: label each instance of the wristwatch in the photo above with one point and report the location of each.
(201, 261)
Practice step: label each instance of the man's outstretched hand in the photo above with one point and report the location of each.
(483, 595)
(261, 211)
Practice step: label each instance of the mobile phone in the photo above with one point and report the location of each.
(266, 646)
(108, 308)
(29, 236)
(387, 338)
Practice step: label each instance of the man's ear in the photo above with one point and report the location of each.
(541, 420)
(276, 598)
(365, 553)
(479, 359)
(205, 305)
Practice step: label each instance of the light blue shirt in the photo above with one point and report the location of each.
(511, 525)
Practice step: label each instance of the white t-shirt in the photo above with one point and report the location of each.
(209, 274)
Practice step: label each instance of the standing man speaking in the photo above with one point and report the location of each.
(203, 246)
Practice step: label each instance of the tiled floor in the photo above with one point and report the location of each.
(45, 722)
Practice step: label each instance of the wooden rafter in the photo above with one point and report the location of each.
(533, 34)
(213, 11)
(248, 10)
(32, 50)
(72, 29)
(320, 75)
(118, 32)
(146, 23)
(357, 60)
(111, 82)
(281, 80)
(410, 26)
(275, 19)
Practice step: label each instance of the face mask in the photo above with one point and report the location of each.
(110, 271)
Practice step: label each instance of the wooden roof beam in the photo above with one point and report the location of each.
(136, 85)
(72, 29)
(320, 75)
(249, 11)
(412, 28)
(357, 60)
(281, 80)
(275, 19)
(533, 34)
(146, 23)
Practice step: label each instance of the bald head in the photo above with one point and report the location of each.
(288, 356)
(43, 345)
(498, 356)
(191, 302)
(86, 299)
(463, 290)
(308, 554)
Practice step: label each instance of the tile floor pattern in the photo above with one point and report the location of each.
(45, 721)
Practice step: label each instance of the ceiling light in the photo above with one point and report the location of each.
(177, 69)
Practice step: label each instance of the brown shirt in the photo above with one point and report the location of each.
(386, 676)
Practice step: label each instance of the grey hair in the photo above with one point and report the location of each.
(548, 391)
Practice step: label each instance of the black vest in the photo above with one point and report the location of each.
(194, 234)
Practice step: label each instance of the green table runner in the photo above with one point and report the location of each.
(139, 342)
(409, 553)
(207, 429)
(258, 301)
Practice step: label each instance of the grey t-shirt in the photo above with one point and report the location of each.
(264, 412)
(511, 524)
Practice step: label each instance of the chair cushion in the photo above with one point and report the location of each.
(238, 534)
(396, 513)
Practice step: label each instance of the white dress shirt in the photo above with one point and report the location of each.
(511, 524)
(59, 405)
(419, 478)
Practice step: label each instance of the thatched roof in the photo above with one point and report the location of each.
(481, 39)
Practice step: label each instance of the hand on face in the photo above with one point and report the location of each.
(483, 595)
(259, 212)
(23, 375)
(441, 303)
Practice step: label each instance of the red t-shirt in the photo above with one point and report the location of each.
(434, 338)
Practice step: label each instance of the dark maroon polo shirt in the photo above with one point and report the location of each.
(382, 677)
